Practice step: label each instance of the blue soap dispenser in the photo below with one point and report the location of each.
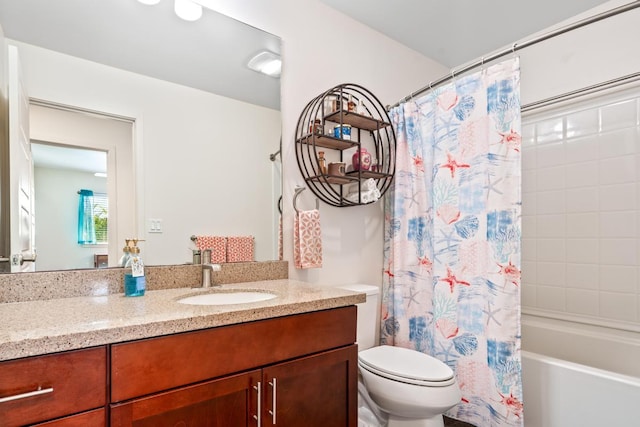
(134, 280)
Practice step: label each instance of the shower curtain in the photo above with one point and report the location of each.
(86, 226)
(452, 239)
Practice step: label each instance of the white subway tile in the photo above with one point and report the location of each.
(551, 178)
(550, 155)
(528, 271)
(618, 143)
(529, 249)
(529, 203)
(550, 250)
(618, 251)
(549, 130)
(620, 197)
(618, 278)
(529, 226)
(581, 174)
(618, 224)
(529, 158)
(582, 251)
(582, 123)
(550, 226)
(550, 202)
(581, 301)
(550, 298)
(618, 306)
(582, 149)
(529, 180)
(582, 276)
(551, 274)
(582, 225)
(528, 295)
(616, 116)
(617, 170)
(528, 134)
(581, 200)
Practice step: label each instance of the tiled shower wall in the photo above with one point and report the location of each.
(580, 211)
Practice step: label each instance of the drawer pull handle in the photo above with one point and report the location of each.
(273, 384)
(37, 392)
(258, 417)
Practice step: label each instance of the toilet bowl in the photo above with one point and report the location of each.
(411, 388)
(414, 389)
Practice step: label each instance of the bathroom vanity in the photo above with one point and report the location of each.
(151, 361)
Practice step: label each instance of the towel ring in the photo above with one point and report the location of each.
(295, 199)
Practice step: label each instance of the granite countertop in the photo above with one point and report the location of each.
(48, 326)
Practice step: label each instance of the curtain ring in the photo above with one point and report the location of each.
(513, 48)
(430, 87)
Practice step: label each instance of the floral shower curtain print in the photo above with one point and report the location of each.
(452, 239)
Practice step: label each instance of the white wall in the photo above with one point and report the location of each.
(322, 48)
(56, 207)
(199, 159)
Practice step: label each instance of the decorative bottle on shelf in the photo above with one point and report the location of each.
(361, 109)
(361, 160)
(322, 162)
(351, 106)
(134, 280)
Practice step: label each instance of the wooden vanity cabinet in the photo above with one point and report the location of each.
(69, 388)
(305, 365)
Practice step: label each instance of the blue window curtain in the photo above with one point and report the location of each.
(86, 227)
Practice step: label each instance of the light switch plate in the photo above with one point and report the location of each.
(154, 225)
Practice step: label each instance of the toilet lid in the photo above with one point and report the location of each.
(401, 364)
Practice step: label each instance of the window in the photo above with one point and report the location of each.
(100, 215)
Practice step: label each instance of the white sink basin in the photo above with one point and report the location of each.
(227, 298)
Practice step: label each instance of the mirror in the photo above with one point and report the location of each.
(205, 126)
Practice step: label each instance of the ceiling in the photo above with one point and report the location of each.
(455, 32)
(210, 54)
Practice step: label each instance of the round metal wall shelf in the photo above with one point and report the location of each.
(341, 123)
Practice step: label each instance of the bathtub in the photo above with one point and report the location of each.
(568, 375)
(558, 393)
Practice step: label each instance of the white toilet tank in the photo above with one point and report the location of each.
(367, 315)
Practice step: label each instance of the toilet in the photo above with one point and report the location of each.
(411, 388)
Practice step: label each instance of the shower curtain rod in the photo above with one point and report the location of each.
(517, 46)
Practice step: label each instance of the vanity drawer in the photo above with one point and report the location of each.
(65, 383)
(95, 418)
(143, 367)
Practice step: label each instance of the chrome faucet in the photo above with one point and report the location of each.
(207, 268)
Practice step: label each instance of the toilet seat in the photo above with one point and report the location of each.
(407, 366)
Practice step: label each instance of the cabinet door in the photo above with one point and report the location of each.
(226, 402)
(315, 391)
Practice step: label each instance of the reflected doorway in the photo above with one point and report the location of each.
(60, 172)
(70, 147)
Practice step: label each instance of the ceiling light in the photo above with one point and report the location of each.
(149, 2)
(100, 174)
(188, 10)
(266, 62)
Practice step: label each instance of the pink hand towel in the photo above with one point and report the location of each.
(240, 249)
(217, 244)
(307, 239)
